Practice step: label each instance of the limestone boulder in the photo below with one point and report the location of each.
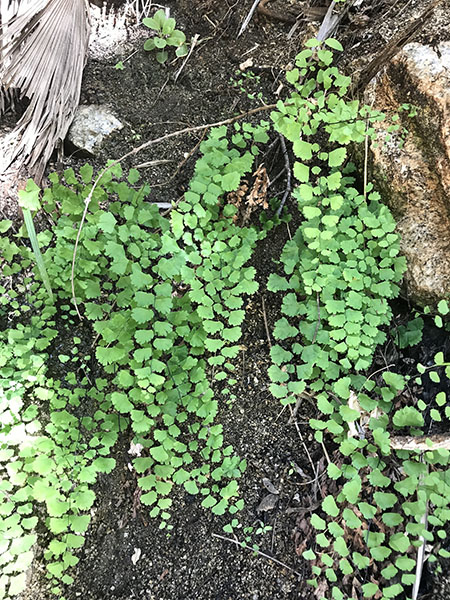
(91, 125)
(412, 168)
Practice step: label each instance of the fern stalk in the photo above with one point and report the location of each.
(36, 251)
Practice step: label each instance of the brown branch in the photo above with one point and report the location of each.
(421, 443)
(392, 48)
(287, 166)
(181, 164)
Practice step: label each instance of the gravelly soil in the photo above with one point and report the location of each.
(191, 563)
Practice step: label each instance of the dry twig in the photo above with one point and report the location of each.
(265, 322)
(288, 175)
(248, 18)
(331, 21)
(392, 48)
(193, 44)
(313, 466)
(421, 443)
(181, 164)
(245, 547)
(420, 550)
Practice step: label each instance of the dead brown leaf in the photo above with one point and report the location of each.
(247, 202)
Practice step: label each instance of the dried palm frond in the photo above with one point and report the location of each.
(43, 50)
(8, 9)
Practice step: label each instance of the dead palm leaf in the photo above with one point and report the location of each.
(43, 51)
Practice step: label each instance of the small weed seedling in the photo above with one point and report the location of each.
(245, 82)
(165, 35)
(249, 532)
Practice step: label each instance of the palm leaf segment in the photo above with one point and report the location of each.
(43, 48)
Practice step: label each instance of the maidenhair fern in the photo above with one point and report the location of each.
(162, 307)
(340, 269)
(162, 301)
(342, 264)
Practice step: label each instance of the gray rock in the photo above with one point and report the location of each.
(91, 125)
(414, 176)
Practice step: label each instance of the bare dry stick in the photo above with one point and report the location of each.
(394, 46)
(331, 21)
(248, 18)
(153, 163)
(296, 407)
(366, 158)
(366, 151)
(193, 44)
(420, 557)
(313, 466)
(245, 547)
(272, 181)
(287, 167)
(327, 456)
(421, 443)
(265, 322)
(136, 151)
(421, 549)
(181, 164)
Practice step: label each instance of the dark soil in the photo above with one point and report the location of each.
(190, 563)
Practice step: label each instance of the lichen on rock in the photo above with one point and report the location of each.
(413, 169)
